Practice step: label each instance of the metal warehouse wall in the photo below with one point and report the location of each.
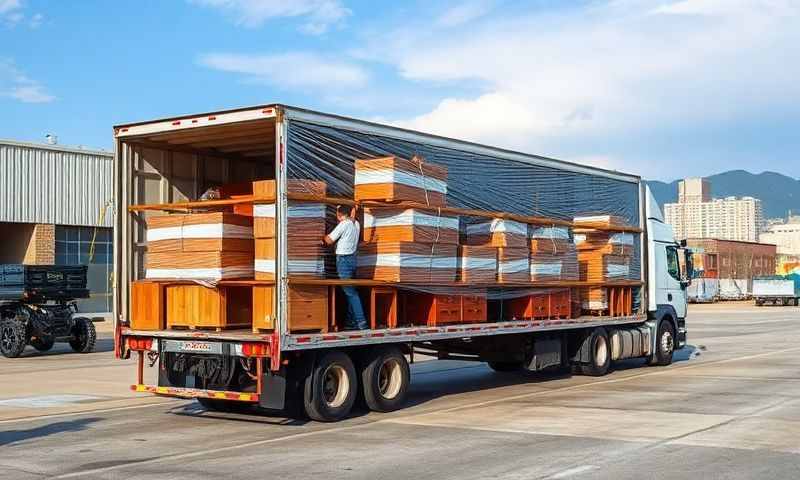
(54, 184)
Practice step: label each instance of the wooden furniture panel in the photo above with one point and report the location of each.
(147, 306)
(561, 304)
(308, 308)
(383, 307)
(473, 309)
(196, 306)
(263, 308)
(432, 310)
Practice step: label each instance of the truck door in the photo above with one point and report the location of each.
(673, 281)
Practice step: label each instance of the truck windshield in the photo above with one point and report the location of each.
(673, 265)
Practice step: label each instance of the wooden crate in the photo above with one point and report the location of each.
(196, 306)
(308, 308)
(147, 306)
(432, 310)
(474, 309)
(263, 308)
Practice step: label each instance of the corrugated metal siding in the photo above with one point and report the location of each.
(45, 184)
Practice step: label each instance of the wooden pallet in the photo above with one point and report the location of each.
(203, 328)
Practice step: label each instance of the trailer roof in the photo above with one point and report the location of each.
(313, 116)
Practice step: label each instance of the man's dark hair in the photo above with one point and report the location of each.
(346, 210)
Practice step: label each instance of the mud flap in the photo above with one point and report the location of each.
(273, 390)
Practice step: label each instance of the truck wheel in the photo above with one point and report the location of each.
(665, 344)
(43, 344)
(505, 366)
(385, 380)
(599, 354)
(13, 337)
(83, 335)
(331, 389)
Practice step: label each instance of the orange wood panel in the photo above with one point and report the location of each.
(308, 308)
(147, 306)
(203, 307)
(263, 308)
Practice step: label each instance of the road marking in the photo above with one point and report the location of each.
(47, 401)
(572, 471)
(201, 453)
(32, 418)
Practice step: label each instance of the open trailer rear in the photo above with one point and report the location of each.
(521, 261)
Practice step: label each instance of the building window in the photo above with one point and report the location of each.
(712, 261)
(83, 246)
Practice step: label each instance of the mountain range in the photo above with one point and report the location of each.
(778, 193)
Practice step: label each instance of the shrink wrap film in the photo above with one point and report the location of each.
(396, 179)
(199, 265)
(593, 298)
(297, 186)
(477, 264)
(513, 265)
(497, 232)
(550, 267)
(306, 262)
(407, 262)
(199, 232)
(599, 267)
(386, 224)
(608, 243)
(607, 221)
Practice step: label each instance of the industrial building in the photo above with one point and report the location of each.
(697, 215)
(55, 208)
(726, 268)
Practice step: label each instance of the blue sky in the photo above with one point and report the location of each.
(665, 88)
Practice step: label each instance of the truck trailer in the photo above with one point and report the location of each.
(777, 290)
(296, 355)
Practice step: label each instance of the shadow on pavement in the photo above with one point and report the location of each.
(63, 348)
(9, 437)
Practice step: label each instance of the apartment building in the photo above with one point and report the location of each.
(697, 215)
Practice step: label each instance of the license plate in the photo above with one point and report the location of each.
(191, 346)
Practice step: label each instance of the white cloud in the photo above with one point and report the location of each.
(319, 15)
(9, 5)
(297, 70)
(12, 14)
(15, 84)
(465, 12)
(553, 81)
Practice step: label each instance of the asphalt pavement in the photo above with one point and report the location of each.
(729, 407)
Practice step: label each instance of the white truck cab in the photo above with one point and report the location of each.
(669, 271)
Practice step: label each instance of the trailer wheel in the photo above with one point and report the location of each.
(385, 379)
(43, 344)
(84, 335)
(13, 337)
(665, 343)
(331, 389)
(599, 354)
(506, 366)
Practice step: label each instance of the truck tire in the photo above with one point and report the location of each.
(599, 354)
(665, 344)
(385, 379)
(43, 344)
(84, 335)
(13, 337)
(506, 366)
(331, 388)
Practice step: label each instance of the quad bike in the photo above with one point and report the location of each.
(37, 308)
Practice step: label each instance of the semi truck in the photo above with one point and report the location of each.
(166, 164)
(777, 290)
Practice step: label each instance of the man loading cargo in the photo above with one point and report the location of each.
(345, 235)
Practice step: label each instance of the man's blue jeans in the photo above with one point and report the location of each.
(346, 268)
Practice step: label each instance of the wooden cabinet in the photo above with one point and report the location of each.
(561, 304)
(539, 306)
(196, 306)
(147, 306)
(308, 308)
(263, 308)
(474, 309)
(435, 310)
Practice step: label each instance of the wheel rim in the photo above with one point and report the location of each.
(6, 338)
(600, 351)
(667, 343)
(390, 378)
(335, 386)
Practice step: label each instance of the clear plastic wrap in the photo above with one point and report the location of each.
(401, 245)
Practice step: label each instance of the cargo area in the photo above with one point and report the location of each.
(453, 236)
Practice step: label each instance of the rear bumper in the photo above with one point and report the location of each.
(196, 393)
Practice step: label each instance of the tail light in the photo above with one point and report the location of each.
(254, 349)
(140, 343)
